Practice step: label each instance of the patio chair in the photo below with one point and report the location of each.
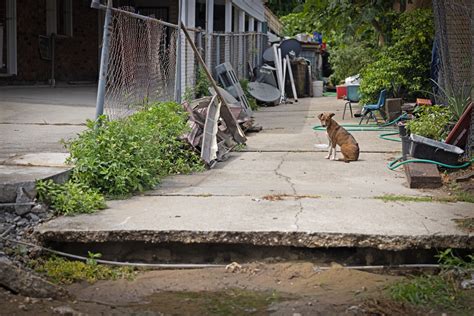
(369, 109)
(353, 96)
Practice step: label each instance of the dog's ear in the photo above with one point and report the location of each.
(320, 116)
(331, 115)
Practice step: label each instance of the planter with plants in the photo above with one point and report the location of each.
(427, 133)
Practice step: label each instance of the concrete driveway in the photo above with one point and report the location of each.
(280, 190)
(34, 119)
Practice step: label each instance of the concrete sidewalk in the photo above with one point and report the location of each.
(33, 121)
(281, 191)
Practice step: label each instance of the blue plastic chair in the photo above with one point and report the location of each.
(369, 109)
(353, 96)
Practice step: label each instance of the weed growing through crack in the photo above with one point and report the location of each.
(63, 271)
(408, 198)
(442, 290)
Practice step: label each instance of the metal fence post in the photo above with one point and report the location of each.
(104, 61)
(177, 87)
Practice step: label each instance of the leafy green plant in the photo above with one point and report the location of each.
(132, 154)
(431, 122)
(457, 99)
(404, 64)
(349, 60)
(201, 88)
(62, 271)
(244, 83)
(449, 260)
(69, 198)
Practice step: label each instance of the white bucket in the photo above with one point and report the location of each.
(317, 88)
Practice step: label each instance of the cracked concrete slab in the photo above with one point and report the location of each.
(324, 222)
(227, 204)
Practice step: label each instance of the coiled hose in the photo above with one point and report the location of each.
(385, 136)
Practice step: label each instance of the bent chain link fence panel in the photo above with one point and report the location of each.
(454, 39)
(142, 64)
(143, 59)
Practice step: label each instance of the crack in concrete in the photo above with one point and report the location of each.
(311, 151)
(292, 186)
(43, 124)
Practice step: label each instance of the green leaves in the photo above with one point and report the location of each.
(431, 122)
(403, 67)
(133, 154)
(70, 198)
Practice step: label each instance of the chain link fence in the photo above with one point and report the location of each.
(143, 60)
(453, 53)
(142, 63)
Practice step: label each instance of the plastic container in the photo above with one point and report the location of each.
(317, 88)
(406, 144)
(341, 92)
(426, 148)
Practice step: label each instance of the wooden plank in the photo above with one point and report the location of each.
(423, 176)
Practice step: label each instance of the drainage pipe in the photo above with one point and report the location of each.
(201, 266)
(118, 263)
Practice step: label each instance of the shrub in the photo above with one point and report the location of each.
(403, 67)
(131, 154)
(69, 198)
(349, 61)
(431, 122)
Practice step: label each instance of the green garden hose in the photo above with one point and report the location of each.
(395, 163)
(385, 127)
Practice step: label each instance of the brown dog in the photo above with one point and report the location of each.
(337, 135)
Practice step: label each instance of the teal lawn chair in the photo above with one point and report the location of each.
(353, 96)
(369, 109)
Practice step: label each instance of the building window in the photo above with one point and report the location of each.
(59, 17)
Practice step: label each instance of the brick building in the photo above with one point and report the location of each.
(24, 22)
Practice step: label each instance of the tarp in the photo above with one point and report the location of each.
(252, 7)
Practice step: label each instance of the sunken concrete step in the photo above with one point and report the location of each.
(23, 171)
(299, 222)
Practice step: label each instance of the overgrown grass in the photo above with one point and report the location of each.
(427, 290)
(440, 291)
(69, 198)
(63, 271)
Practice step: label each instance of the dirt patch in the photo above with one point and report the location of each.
(281, 197)
(257, 289)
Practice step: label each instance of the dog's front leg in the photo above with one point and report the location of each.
(334, 151)
(330, 148)
(330, 151)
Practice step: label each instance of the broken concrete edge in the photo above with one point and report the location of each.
(19, 280)
(8, 191)
(267, 238)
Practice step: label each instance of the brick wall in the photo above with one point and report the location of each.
(77, 58)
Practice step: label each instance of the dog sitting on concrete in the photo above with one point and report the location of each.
(337, 135)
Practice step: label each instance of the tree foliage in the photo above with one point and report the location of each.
(403, 67)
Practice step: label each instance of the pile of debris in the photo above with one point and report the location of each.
(218, 122)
